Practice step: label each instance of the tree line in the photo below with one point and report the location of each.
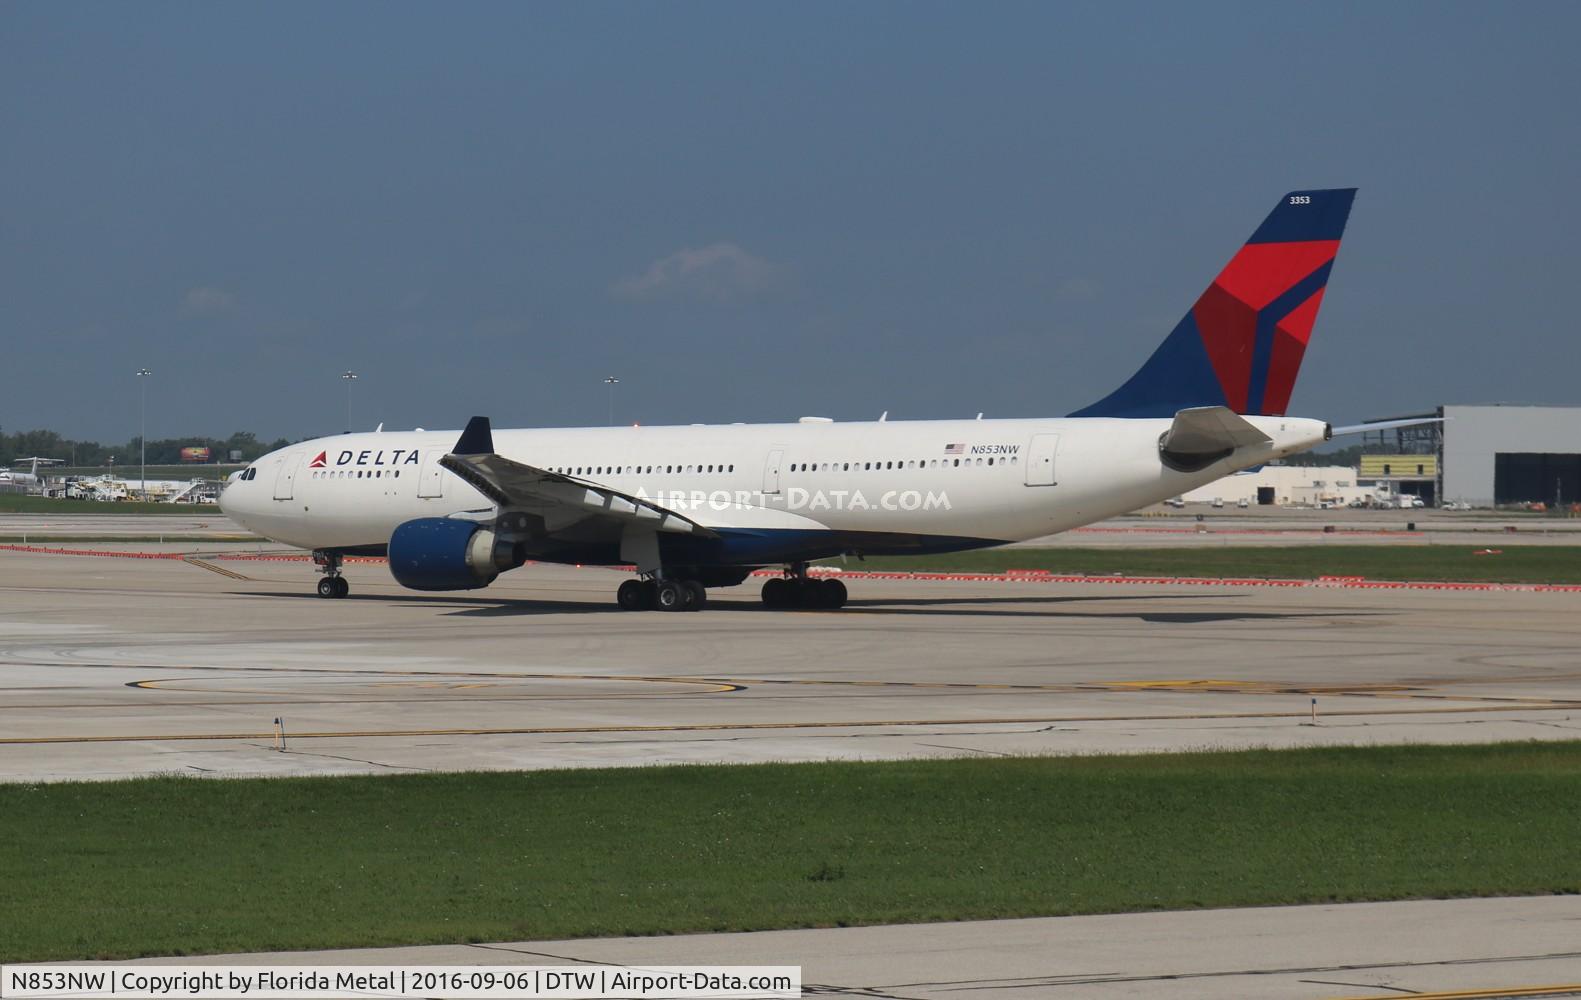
(91, 454)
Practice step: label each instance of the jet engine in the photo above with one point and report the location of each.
(442, 553)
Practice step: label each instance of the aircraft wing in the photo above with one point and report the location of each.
(559, 499)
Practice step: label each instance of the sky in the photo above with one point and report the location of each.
(754, 212)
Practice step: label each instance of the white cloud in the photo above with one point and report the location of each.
(206, 301)
(720, 272)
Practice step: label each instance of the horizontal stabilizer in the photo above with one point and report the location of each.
(1209, 430)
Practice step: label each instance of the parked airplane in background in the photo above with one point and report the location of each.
(703, 506)
(19, 478)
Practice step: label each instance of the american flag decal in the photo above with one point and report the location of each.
(955, 449)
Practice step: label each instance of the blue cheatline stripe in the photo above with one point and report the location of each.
(755, 546)
(1267, 321)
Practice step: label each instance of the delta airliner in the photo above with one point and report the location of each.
(704, 506)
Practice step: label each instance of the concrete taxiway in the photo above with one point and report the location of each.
(112, 667)
(1465, 949)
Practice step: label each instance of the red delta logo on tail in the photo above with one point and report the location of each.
(319, 461)
(1241, 344)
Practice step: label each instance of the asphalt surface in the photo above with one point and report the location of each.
(111, 667)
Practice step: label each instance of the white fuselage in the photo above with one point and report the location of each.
(985, 480)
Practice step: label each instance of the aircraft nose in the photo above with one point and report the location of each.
(230, 496)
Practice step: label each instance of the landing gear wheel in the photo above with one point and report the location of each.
(808, 593)
(650, 595)
(631, 596)
(777, 593)
(699, 595)
(333, 584)
(672, 595)
(832, 593)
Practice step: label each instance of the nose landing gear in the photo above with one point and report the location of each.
(333, 584)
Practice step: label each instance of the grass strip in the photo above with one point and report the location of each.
(32, 539)
(22, 503)
(179, 866)
(1512, 564)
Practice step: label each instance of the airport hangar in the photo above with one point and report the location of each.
(1498, 455)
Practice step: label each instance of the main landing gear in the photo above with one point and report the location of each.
(798, 590)
(661, 595)
(794, 590)
(333, 584)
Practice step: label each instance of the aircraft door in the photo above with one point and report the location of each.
(431, 483)
(285, 479)
(1040, 460)
(771, 471)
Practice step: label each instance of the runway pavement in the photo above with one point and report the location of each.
(112, 667)
(1429, 949)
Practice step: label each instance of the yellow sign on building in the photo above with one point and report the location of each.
(1398, 467)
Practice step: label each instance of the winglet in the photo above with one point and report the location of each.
(477, 439)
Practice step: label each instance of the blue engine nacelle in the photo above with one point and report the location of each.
(441, 553)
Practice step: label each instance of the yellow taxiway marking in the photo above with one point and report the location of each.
(1416, 689)
(221, 570)
(1496, 993)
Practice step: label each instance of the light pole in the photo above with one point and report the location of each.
(349, 377)
(612, 381)
(142, 429)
